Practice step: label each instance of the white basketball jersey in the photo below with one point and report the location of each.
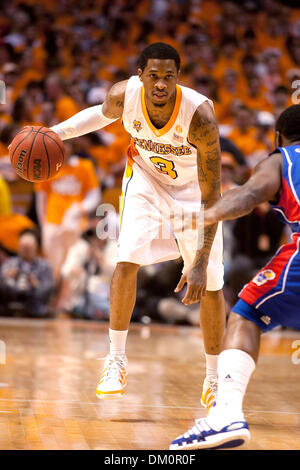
(164, 153)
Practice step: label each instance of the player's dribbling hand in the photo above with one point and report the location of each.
(195, 277)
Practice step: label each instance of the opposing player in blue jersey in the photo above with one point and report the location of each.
(270, 299)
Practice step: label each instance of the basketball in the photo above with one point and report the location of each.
(36, 153)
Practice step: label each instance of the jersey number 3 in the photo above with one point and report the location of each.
(164, 166)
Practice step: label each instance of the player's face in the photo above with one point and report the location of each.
(159, 78)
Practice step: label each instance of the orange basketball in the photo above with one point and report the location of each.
(37, 153)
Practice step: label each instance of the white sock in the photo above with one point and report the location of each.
(117, 339)
(211, 364)
(234, 370)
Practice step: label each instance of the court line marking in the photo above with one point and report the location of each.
(128, 405)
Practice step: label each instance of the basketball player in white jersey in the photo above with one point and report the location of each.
(173, 167)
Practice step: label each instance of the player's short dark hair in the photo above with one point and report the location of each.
(158, 50)
(288, 123)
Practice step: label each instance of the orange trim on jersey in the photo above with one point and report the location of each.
(167, 127)
(131, 152)
(128, 174)
(121, 206)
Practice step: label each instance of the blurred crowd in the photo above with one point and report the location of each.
(57, 58)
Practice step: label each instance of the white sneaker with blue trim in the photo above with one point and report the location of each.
(203, 436)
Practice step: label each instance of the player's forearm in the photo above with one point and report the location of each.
(202, 254)
(204, 135)
(89, 120)
(206, 236)
(235, 203)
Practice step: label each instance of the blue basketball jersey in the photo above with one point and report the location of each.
(288, 206)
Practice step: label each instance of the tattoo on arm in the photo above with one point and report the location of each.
(114, 101)
(201, 173)
(204, 135)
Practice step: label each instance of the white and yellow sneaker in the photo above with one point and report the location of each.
(209, 392)
(114, 378)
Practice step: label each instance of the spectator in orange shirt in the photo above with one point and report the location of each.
(65, 106)
(273, 34)
(190, 50)
(208, 58)
(21, 113)
(12, 226)
(243, 134)
(273, 75)
(208, 86)
(47, 114)
(163, 31)
(255, 96)
(249, 67)
(265, 130)
(249, 42)
(280, 100)
(263, 140)
(229, 91)
(62, 204)
(229, 56)
(35, 94)
(293, 48)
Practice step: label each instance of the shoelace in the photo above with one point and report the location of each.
(213, 384)
(115, 367)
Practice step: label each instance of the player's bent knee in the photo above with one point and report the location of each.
(235, 320)
(125, 268)
(214, 293)
(242, 334)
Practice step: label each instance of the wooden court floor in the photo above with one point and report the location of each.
(47, 388)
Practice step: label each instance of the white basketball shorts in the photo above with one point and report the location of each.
(158, 223)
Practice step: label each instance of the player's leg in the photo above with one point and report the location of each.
(212, 305)
(140, 243)
(225, 425)
(212, 319)
(122, 300)
(236, 364)
(260, 308)
(212, 322)
(122, 296)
